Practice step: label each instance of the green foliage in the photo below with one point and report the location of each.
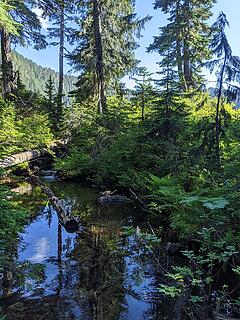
(34, 131)
(208, 205)
(22, 133)
(194, 282)
(162, 141)
(12, 219)
(8, 129)
(184, 44)
(6, 21)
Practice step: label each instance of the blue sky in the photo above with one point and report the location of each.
(49, 58)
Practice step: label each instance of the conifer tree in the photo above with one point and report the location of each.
(106, 43)
(6, 20)
(60, 13)
(50, 104)
(228, 71)
(28, 34)
(185, 38)
(143, 88)
(49, 90)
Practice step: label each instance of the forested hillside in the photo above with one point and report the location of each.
(123, 203)
(35, 77)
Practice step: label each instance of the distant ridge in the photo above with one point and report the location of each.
(34, 76)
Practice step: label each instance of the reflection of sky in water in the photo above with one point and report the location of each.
(137, 306)
(42, 244)
(42, 248)
(40, 239)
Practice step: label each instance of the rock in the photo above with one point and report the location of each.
(111, 199)
(48, 173)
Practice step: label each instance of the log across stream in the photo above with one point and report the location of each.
(69, 223)
(29, 155)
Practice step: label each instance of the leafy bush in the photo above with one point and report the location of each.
(22, 133)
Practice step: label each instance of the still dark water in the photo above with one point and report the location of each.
(99, 272)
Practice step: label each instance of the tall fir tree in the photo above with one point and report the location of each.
(61, 15)
(227, 71)
(106, 44)
(50, 104)
(185, 38)
(143, 92)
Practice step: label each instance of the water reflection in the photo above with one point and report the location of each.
(42, 249)
(95, 274)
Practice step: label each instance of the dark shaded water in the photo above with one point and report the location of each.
(97, 273)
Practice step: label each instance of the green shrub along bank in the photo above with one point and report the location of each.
(19, 132)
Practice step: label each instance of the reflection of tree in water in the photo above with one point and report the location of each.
(151, 261)
(102, 276)
(93, 285)
(18, 277)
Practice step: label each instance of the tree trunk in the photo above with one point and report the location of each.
(61, 60)
(102, 103)
(143, 99)
(29, 155)
(217, 121)
(179, 51)
(186, 65)
(8, 79)
(186, 53)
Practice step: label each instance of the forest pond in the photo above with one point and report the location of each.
(99, 274)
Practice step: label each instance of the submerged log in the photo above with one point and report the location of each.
(71, 225)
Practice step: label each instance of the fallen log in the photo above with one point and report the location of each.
(20, 158)
(29, 155)
(71, 225)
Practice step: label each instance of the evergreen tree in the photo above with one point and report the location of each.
(228, 70)
(60, 13)
(168, 83)
(143, 89)
(49, 90)
(106, 43)
(170, 112)
(184, 40)
(6, 20)
(28, 34)
(50, 103)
